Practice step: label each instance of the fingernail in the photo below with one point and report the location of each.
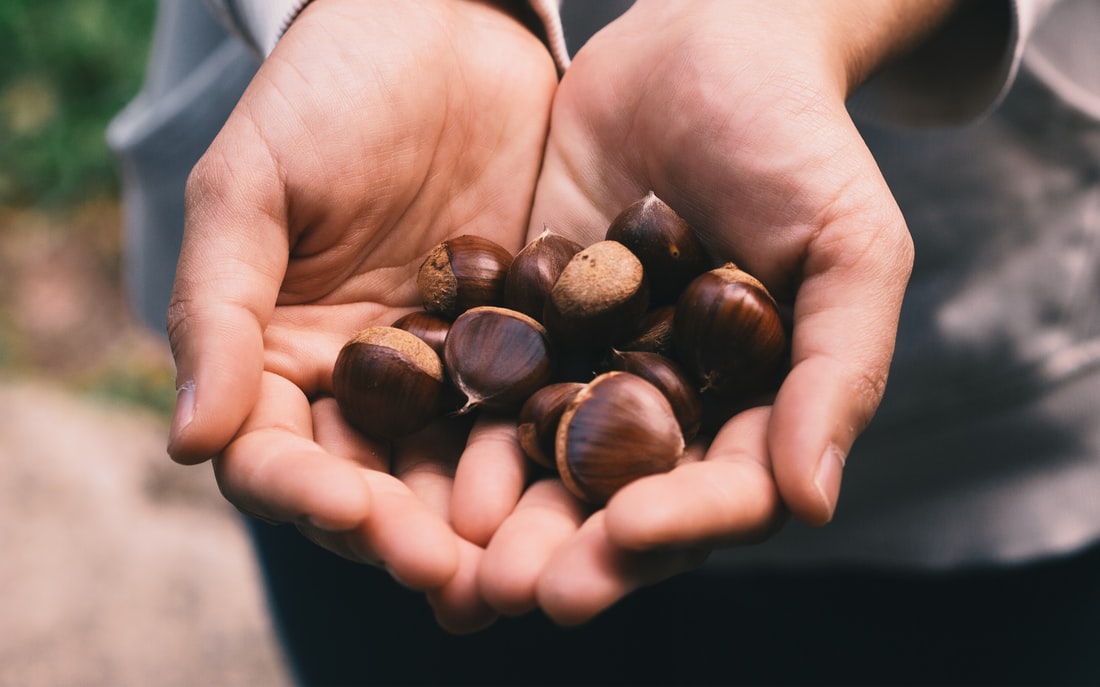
(830, 468)
(184, 412)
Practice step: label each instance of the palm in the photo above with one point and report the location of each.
(763, 160)
(364, 140)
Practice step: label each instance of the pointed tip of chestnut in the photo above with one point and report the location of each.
(618, 428)
(664, 242)
(534, 270)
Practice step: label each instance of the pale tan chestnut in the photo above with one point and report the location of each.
(599, 297)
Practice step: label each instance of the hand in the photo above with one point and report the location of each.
(374, 131)
(734, 114)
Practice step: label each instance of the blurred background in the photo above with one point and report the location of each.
(116, 565)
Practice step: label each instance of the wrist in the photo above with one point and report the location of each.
(865, 36)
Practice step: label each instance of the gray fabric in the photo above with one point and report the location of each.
(195, 75)
(987, 444)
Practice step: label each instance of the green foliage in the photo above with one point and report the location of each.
(66, 67)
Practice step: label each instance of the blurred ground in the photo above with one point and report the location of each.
(117, 567)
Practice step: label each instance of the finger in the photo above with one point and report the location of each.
(728, 499)
(489, 480)
(546, 517)
(846, 316)
(406, 536)
(275, 471)
(458, 606)
(589, 573)
(231, 263)
(403, 534)
(334, 435)
(425, 462)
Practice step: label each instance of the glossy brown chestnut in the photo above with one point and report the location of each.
(667, 246)
(387, 382)
(728, 332)
(535, 269)
(598, 298)
(615, 430)
(671, 379)
(537, 424)
(497, 357)
(463, 273)
(429, 327)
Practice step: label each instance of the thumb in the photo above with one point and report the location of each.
(231, 265)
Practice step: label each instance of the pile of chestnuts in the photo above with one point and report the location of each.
(610, 357)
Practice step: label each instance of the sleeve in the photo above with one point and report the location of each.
(261, 23)
(956, 76)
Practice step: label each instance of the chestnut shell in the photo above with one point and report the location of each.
(667, 246)
(615, 430)
(387, 382)
(728, 332)
(462, 273)
(497, 357)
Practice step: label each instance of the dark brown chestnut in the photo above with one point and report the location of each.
(615, 430)
(387, 382)
(429, 327)
(671, 379)
(535, 269)
(463, 273)
(667, 246)
(537, 424)
(497, 357)
(599, 297)
(654, 333)
(728, 332)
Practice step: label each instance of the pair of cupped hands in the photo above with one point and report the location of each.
(376, 130)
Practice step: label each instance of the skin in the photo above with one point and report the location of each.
(307, 220)
(312, 210)
(733, 113)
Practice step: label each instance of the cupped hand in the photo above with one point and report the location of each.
(374, 131)
(734, 114)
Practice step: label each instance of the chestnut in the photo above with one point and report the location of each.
(497, 358)
(728, 332)
(667, 246)
(462, 273)
(598, 298)
(537, 424)
(429, 327)
(671, 379)
(535, 269)
(387, 382)
(654, 333)
(618, 428)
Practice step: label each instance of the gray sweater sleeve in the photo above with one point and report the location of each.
(959, 74)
